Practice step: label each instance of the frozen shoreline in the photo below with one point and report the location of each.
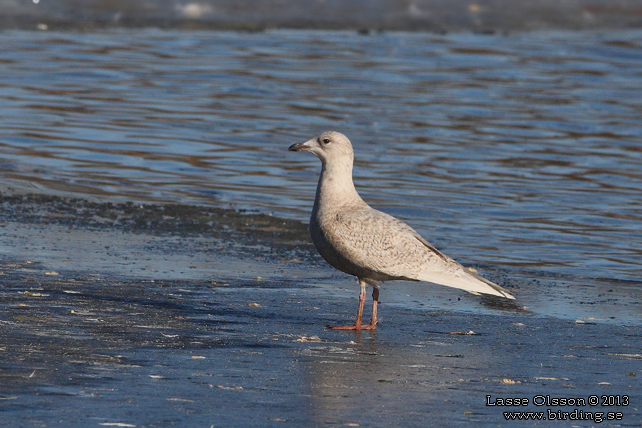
(89, 350)
(148, 326)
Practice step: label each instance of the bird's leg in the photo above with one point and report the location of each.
(375, 302)
(362, 299)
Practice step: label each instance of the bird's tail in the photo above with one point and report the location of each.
(467, 281)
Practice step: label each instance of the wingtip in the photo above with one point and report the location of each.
(507, 295)
(500, 291)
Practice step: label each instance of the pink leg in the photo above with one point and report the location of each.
(362, 299)
(375, 302)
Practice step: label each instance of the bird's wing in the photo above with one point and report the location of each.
(381, 243)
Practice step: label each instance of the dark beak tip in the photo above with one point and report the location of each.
(295, 147)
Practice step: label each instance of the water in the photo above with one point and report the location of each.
(518, 153)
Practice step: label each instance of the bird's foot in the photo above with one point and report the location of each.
(353, 327)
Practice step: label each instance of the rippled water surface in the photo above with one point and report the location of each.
(522, 152)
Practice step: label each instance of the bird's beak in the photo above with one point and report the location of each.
(298, 147)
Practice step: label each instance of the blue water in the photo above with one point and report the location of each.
(522, 153)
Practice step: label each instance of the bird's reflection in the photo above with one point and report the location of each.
(368, 380)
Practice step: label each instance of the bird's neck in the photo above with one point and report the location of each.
(336, 189)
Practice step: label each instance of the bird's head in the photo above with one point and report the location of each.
(329, 146)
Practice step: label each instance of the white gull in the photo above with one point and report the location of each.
(369, 244)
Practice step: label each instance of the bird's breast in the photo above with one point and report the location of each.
(323, 230)
(321, 233)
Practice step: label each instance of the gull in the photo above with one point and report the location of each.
(369, 244)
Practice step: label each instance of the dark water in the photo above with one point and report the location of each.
(519, 153)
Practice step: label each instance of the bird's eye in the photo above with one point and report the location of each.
(326, 141)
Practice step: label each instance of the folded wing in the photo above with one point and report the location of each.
(383, 244)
